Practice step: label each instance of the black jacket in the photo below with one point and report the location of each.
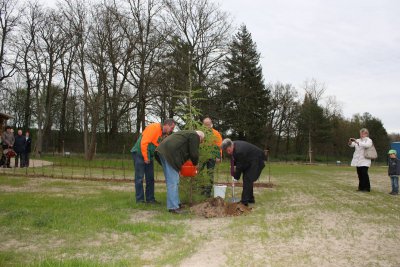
(19, 144)
(394, 166)
(180, 147)
(28, 145)
(248, 159)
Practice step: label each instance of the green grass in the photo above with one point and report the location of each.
(313, 217)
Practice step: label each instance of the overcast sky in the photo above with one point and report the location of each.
(352, 46)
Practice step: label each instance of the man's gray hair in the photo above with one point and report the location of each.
(226, 143)
(201, 134)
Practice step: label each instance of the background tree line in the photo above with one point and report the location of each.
(87, 76)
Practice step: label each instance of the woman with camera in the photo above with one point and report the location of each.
(360, 161)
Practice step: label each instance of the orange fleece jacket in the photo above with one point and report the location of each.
(151, 134)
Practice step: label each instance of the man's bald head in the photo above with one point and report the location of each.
(207, 122)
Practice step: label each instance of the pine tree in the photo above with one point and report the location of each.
(245, 100)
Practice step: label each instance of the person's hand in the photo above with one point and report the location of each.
(147, 162)
(218, 160)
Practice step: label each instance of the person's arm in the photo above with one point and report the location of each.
(351, 142)
(194, 143)
(238, 171)
(219, 143)
(398, 167)
(365, 144)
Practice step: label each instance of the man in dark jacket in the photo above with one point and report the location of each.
(248, 160)
(28, 149)
(172, 153)
(19, 148)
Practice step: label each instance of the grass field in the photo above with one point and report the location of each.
(313, 217)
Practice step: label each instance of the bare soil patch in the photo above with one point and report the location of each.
(217, 207)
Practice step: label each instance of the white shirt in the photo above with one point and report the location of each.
(358, 157)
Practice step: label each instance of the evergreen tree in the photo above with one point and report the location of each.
(245, 100)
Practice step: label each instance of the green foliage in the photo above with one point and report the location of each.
(245, 100)
(313, 126)
(191, 189)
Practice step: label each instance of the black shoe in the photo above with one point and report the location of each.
(178, 211)
(252, 201)
(245, 203)
(393, 193)
(154, 202)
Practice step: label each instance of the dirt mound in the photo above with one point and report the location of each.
(217, 207)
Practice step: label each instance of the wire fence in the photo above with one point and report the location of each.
(105, 167)
(111, 167)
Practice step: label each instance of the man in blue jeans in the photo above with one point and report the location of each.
(172, 153)
(143, 157)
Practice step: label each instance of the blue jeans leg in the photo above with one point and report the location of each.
(143, 170)
(395, 183)
(172, 181)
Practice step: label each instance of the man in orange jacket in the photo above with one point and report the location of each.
(216, 153)
(143, 157)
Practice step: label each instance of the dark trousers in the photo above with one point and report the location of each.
(363, 178)
(249, 177)
(26, 159)
(143, 170)
(206, 189)
(247, 193)
(20, 158)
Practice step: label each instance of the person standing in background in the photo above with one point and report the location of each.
(28, 149)
(359, 161)
(216, 156)
(7, 143)
(394, 171)
(19, 148)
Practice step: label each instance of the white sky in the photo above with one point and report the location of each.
(352, 46)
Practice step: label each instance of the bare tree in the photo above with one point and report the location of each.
(76, 12)
(206, 30)
(9, 17)
(283, 103)
(33, 15)
(148, 37)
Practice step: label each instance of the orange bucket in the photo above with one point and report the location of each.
(188, 169)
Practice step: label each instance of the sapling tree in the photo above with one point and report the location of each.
(192, 188)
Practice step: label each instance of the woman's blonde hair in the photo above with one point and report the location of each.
(364, 130)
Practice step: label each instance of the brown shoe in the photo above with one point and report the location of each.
(178, 211)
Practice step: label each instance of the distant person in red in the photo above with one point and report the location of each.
(7, 140)
(246, 159)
